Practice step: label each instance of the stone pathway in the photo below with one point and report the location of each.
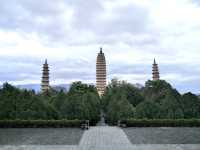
(114, 138)
(105, 138)
(102, 120)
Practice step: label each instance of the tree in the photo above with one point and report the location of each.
(82, 103)
(191, 105)
(156, 90)
(91, 106)
(121, 101)
(131, 93)
(148, 110)
(171, 106)
(119, 108)
(80, 88)
(57, 103)
(9, 102)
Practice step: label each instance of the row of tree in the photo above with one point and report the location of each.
(157, 100)
(80, 102)
(122, 100)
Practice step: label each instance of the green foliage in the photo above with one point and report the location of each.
(171, 106)
(166, 99)
(191, 105)
(157, 100)
(131, 93)
(148, 110)
(39, 123)
(23, 104)
(156, 90)
(80, 88)
(119, 108)
(91, 107)
(81, 102)
(121, 101)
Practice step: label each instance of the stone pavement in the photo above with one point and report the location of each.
(102, 120)
(105, 138)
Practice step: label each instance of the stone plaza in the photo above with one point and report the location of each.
(101, 138)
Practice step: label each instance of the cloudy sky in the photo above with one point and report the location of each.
(69, 34)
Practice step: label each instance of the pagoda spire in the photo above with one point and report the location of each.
(45, 77)
(101, 50)
(155, 71)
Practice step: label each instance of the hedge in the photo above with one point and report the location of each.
(39, 123)
(161, 123)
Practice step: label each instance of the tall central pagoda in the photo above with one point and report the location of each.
(101, 73)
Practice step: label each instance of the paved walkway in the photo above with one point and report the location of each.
(105, 138)
(114, 138)
(102, 120)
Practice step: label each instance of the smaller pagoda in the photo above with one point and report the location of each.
(45, 77)
(155, 71)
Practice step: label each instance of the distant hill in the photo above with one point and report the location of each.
(59, 87)
(64, 87)
(36, 87)
(138, 85)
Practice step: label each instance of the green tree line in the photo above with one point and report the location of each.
(80, 102)
(156, 100)
(121, 101)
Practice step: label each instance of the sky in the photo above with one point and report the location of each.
(69, 33)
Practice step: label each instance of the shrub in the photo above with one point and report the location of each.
(162, 123)
(39, 123)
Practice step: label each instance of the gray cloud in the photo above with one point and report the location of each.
(127, 19)
(21, 68)
(30, 68)
(123, 19)
(41, 17)
(85, 25)
(130, 69)
(86, 14)
(47, 19)
(184, 69)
